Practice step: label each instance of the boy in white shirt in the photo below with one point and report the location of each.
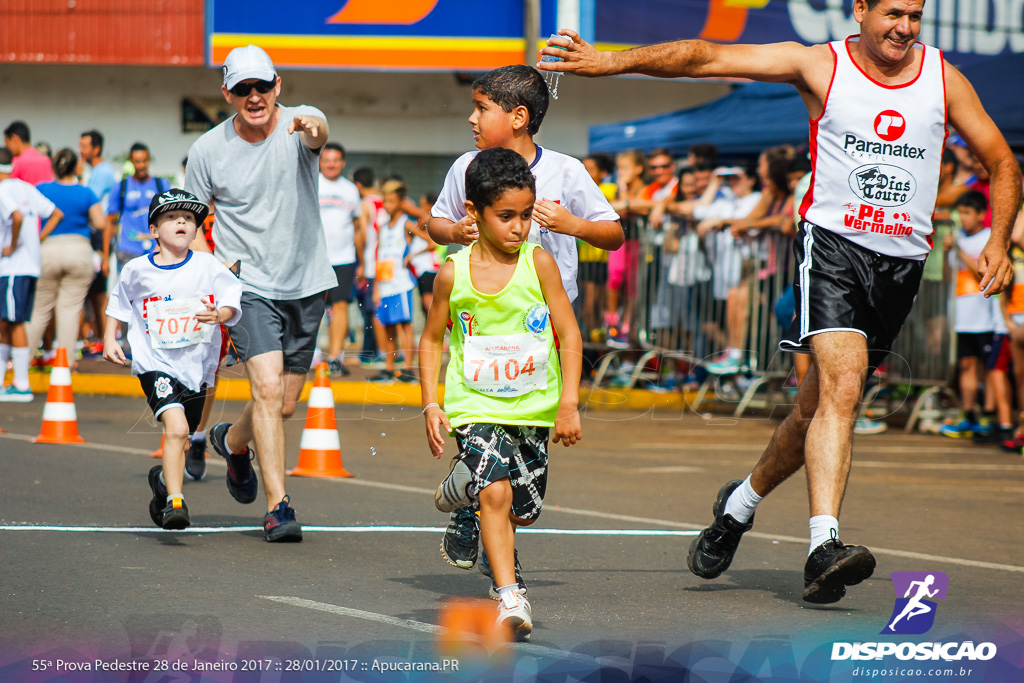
(974, 319)
(21, 207)
(173, 302)
(509, 104)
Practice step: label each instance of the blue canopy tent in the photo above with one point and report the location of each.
(996, 80)
(754, 116)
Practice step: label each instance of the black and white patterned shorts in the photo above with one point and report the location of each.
(520, 454)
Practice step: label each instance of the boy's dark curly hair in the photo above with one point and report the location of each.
(494, 172)
(514, 86)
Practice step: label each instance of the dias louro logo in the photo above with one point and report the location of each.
(914, 612)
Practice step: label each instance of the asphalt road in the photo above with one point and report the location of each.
(616, 600)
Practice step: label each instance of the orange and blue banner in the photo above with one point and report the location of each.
(411, 35)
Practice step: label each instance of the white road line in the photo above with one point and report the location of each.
(683, 447)
(972, 467)
(878, 464)
(336, 530)
(623, 518)
(88, 445)
(524, 648)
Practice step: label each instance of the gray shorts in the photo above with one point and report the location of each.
(286, 325)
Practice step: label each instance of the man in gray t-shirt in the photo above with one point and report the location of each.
(259, 169)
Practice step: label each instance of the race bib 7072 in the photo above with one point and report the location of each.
(173, 324)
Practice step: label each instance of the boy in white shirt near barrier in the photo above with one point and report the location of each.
(974, 319)
(173, 302)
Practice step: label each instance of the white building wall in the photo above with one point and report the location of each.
(369, 112)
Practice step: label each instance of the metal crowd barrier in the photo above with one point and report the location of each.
(923, 359)
(680, 319)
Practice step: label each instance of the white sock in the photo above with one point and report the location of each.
(823, 527)
(5, 355)
(162, 479)
(199, 436)
(735, 354)
(506, 589)
(171, 497)
(20, 356)
(742, 503)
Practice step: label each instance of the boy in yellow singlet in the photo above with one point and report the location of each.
(507, 383)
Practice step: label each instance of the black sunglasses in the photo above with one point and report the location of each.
(243, 89)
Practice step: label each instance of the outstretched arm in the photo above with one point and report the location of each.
(975, 126)
(313, 129)
(775, 62)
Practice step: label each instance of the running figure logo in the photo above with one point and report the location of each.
(914, 612)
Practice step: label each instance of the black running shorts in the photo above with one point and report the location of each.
(520, 454)
(841, 286)
(163, 391)
(346, 275)
(974, 345)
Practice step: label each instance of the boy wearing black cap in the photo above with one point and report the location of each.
(173, 302)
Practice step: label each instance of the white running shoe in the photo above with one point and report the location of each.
(451, 494)
(514, 613)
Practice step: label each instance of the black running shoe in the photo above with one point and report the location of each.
(279, 525)
(408, 377)
(175, 515)
(712, 551)
(165, 515)
(195, 460)
(461, 538)
(156, 505)
(834, 566)
(485, 568)
(337, 368)
(241, 477)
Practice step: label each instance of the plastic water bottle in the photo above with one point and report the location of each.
(551, 77)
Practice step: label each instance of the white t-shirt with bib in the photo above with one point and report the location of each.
(392, 277)
(145, 289)
(974, 313)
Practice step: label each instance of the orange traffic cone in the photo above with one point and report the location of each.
(320, 451)
(60, 421)
(158, 453)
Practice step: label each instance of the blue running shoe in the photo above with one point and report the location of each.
(964, 429)
(241, 477)
(279, 525)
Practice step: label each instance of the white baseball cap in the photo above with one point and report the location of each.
(248, 62)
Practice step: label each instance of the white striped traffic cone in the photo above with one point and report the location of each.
(60, 420)
(320, 450)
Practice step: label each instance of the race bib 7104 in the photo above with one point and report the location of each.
(506, 365)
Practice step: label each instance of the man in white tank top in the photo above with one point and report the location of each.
(878, 104)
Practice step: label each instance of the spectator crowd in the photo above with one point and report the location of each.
(706, 266)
